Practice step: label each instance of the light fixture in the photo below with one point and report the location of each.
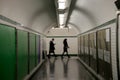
(61, 4)
(53, 28)
(61, 27)
(61, 0)
(61, 15)
(70, 27)
(61, 19)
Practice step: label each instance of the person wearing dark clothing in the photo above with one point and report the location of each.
(65, 48)
(51, 48)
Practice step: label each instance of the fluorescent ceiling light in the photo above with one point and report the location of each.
(61, 5)
(61, 0)
(61, 15)
(61, 19)
(70, 27)
(61, 26)
(53, 28)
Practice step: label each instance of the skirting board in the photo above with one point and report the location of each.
(97, 76)
(34, 70)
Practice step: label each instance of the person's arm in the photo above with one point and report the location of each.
(54, 43)
(67, 45)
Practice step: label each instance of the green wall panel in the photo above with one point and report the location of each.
(37, 48)
(7, 53)
(22, 54)
(32, 51)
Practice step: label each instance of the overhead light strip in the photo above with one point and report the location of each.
(62, 1)
(61, 4)
(61, 19)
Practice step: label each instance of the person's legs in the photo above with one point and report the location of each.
(67, 54)
(54, 54)
(62, 54)
(49, 54)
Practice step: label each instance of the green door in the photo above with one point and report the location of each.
(22, 54)
(32, 52)
(7, 53)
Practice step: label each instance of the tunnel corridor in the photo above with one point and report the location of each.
(91, 28)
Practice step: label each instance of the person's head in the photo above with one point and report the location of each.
(52, 39)
(65, 39)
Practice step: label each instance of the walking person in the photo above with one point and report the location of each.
(65, 48)
(51, 48)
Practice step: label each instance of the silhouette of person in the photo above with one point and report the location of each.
(65, 48)
(51, 48)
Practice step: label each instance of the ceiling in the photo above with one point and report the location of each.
(34, 14)
(87, 14)
(41, 15)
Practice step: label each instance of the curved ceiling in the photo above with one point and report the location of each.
(87, 14)
(40, 15)
(34, 14)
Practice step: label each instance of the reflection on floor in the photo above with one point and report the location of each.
(62, 69)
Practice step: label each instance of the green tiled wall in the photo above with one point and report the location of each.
(32, 51)
(37, 48)
(22, 54)
(16, 60)
(7, 53)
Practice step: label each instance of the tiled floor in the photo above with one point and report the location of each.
(62, 69)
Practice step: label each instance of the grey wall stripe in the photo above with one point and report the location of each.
(18, 24)
(8, 20)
